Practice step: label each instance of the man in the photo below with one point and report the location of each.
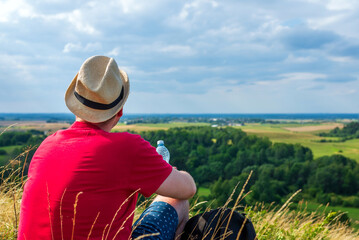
(83, 182)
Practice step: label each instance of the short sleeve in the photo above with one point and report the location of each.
(148, 169)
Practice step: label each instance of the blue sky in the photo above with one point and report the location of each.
(229, 56)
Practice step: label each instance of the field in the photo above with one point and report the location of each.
(302, 133)
(29, 125)
(121, 127)
(8, 149)
(353, 213)
(305, 134)
(270, 225)
(202, 191)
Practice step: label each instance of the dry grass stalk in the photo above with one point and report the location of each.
(93, 224)
(7, 128)
(269, 223)
(15, 212)
(137, 209)
(147, 235)
(74, 219)
(49, 210)
(290, 224)
(113, 219)
(103, 233)
(61, 216)
(236, 204)
(27, 151)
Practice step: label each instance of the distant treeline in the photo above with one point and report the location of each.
(349, 131)
(169, 119)
(219, 158)
(21, 142)
(31, 137)
(61, 117)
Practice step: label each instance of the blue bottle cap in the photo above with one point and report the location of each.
(160, 143)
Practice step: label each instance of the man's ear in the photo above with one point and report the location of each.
(120, 113)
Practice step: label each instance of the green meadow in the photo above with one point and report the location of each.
(302, 133)
(8, 149)
(353, 213)
(202, 191)
(269, 223)
(305, 134)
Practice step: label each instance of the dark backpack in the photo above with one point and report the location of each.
(213, 225)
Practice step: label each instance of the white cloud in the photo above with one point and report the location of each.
(317, 23)
(76, 18)
(69, 47)
(15, 10)
(341, 4)
(11, 10)
(130, 6)
(178, 50)
(78, 47)
(195, 7)
(193, 14)
(23, 70)
(190, 50)
(270, 27)
(293, 59)
(336, 5)
(114, 52)
(341, 59)
(291, 82)
(301, 76)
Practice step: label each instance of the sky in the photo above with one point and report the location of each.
(195, 56)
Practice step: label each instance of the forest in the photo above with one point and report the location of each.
(349, 131)
(220, 158)
(31, 137)
(14, 143)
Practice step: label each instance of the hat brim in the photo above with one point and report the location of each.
(90, 114)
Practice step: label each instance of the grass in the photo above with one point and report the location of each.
(353, 213)
(297, 225)
(4, 158)
(10, 198)
(269, 222)
(279, 133)
(29, 125)
(275, 132)
(202, 191)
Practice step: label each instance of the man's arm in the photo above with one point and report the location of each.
(179, 185)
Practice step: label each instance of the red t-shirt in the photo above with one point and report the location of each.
(102, 169)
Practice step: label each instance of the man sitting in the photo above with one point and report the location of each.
(83, 182)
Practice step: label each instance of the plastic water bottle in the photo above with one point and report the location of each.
(163, 151)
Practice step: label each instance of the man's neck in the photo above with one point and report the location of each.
(105, 126)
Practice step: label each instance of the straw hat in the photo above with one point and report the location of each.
(98, 91)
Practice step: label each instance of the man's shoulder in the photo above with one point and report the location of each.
(126, 135)
(52, 136)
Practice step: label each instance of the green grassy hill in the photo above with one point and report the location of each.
(281, 222)
(287, 133)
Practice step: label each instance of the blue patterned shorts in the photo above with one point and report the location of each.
(159, 217)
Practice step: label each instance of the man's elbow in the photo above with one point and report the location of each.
(193, 190)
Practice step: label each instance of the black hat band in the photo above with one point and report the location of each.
(96, 105)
